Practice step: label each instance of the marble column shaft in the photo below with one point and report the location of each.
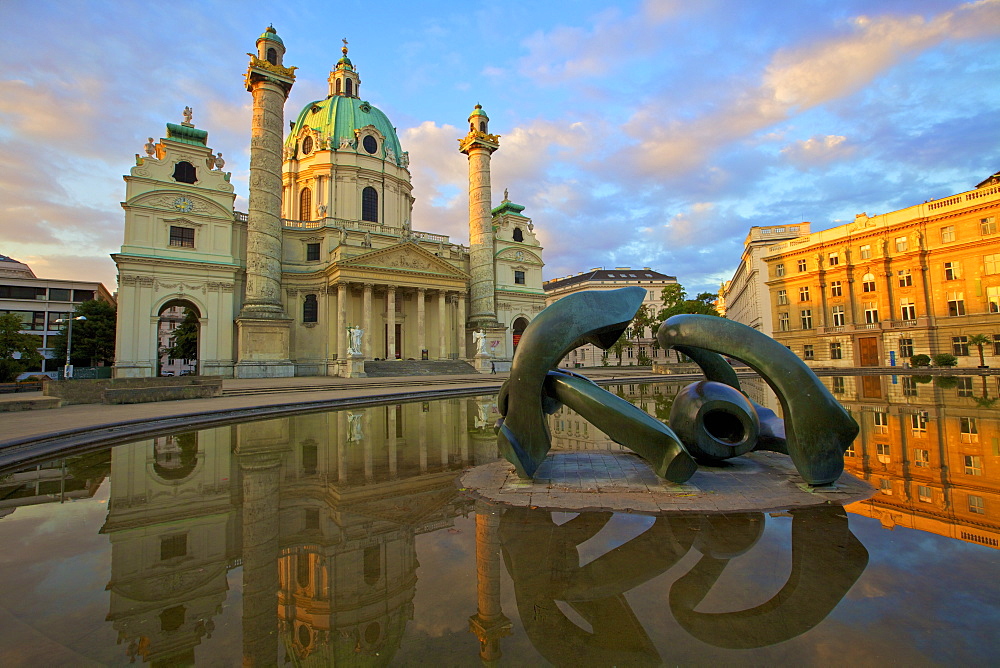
(342, 320)
(421, 343)
(460, 327)
(390, 320)
(482, 284)
(442, 328)
(367, 319)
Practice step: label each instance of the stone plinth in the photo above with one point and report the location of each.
(263, 347)
(355, 367)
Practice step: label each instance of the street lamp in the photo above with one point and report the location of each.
(68, 369)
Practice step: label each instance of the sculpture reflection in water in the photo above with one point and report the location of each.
(711, 421)
(543, 560)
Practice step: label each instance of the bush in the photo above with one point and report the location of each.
(920, 360)
(945, 359)
(946, 382)
(922, 379)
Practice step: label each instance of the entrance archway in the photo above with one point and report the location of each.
(517, 329)
(178, 338)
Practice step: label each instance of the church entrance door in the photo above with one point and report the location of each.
(399, 341)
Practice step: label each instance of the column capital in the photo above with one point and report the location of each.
(369, 286)
(422, 290)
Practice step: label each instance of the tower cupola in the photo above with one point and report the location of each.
(479, 121)
(344, 81)
(270, 47)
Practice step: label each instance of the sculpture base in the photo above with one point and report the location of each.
(263, 348)
(354, 367)
(483, 363)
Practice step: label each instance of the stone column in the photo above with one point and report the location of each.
(367, 321)
(489, 623)
(390, 321)
(442, 328)
(421, 343)
(341, 320)
(460, 327)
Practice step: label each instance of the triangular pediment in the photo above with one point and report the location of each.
(404, 257)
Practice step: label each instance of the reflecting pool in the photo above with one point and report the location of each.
(343, 537)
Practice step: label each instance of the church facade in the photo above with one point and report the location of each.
(325, 270)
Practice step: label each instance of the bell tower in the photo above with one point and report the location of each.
(343, 79)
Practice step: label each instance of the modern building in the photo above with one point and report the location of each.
(744, 297)
(40, 302)
(599, 278)
(327, 245)
(920, 280)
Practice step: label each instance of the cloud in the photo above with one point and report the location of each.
(817, 151)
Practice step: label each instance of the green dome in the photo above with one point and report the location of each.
(272, 35)
(345, 61)
(339, 116)
(478, 111)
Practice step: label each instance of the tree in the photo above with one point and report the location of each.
(13, 342)
(185, 345)
(980, 340)
(944, 359)
(675, 302)
(93, 338)
(644, 318)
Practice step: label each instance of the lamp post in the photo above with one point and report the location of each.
(68, 369)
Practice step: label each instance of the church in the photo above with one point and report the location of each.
(326, 270)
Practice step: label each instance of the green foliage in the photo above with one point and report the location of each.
(946, 382)
(980, 341)
(185, 338)
(922, 379)
(920, 360)
(12, 342)
(944, 359)
(93, 338)
(675, 302)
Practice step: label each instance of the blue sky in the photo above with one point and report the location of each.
(635, 133)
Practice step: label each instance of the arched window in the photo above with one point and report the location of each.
(307, 145)
(482, 126)
(519, 326)
(338, 86)
(518, 234)
(868, 283)
(184, 172)
(272, 56)
(305, 204)
(369, 205)
(310, 309)
(349, 86)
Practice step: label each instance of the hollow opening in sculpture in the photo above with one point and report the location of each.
(724, 426)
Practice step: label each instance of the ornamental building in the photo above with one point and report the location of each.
(921, 280)
(326, 269)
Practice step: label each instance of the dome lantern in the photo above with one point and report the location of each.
(270, 47)
(343, 79)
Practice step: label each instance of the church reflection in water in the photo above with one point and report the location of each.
(315, 519)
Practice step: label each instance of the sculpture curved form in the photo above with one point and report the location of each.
(817, 428)
(714, 421)
(597, 317)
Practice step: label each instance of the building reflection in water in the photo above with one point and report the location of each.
(931, 447)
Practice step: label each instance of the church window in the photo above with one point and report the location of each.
(310, 309)
(518, 234)
(482, 126)
(370, 144)
(307, 145)
(182, 236)
(349, 86)
(369, 205)
(305, 204)
(338, 86)
(184, 172)
(312, 252)
(272, 56)
(518, 277)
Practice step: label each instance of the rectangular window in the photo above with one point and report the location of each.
(21, 292)
(518, 277)
(53, 316)
(993, 297)
(960, 346)
(964, 386)
(907, 309)
(834, 259)
(921, 458)
(838, 316)
(182, 236)
(992, 263)
(807, 352)
(782, 297)
(881, 422)
(871, 312)
(885, 486)
(973, 465)
(312, 252)
(924, 494)
(947, 234)
(173, 546)
(835, 289)
(977, 505)
(969, 430)
(779, 269)
(806, 318)
(996, 346)
(906, 348)
(838, 384)
(956, 303)
(83, 295)
(836, 351)
(802, 265)
(804, 294)
(783, 322)
(988, 225)
(882, 452)
(918, 423)
(905, 278)
(901, 244)
(866, 252)
(952, 271)
(60, 294)
(909, 387)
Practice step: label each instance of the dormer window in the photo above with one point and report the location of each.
(272, 56)
(369, 142)
(184, 172)
(307, 145)
(518, 234)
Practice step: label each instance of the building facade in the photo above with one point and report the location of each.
(40, 302)
(327, 245)
(642, 342)
(921, 280)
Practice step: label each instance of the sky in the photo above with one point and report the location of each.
(635, 133)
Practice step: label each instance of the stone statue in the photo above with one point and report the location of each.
(390, 154)
(479, 338)
(219, 162)
(322, 210)
(356, 433)
(343, 236)
(150, 148)
(404, 159)
(355, 346)
(368, 239)
(345, 142)
(188, 113)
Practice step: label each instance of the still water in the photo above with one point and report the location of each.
(343, 538)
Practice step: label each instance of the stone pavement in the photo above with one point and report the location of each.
(623, 482)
